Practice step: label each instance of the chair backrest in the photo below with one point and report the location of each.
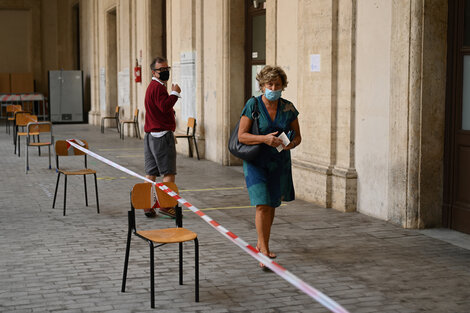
(40, 127)
(22, 119)
(63, 148)
(136, 115)
(141, 196)
(191, 125)
(13, 108)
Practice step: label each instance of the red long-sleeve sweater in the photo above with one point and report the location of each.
(159, 113)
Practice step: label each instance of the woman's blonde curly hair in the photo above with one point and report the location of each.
(270, 73)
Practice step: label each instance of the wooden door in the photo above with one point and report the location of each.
(456, 214)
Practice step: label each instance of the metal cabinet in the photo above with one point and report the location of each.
(66, 96)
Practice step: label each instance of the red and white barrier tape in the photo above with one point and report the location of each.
(275, 267)
(10, 97)
(22, 97)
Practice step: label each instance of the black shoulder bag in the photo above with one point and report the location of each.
(240, 150)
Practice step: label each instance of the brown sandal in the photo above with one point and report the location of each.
(270, 254)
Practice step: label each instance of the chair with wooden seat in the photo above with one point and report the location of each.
(64, 149)
(22, 120)
(16, 127)
(141, 198)
(134, 121)
(115, 117)
(11, 109)
(190, 134)
(38, 128)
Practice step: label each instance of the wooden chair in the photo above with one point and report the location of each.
(22, 120)
(15, 127)
(11, 109)
(115, 117)
(141, 196)
(134, 121)
(38, 128)
(63, 149)
(190, 134)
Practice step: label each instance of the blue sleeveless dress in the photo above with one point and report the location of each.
(269, 177)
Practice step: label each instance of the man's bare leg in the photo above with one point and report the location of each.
(150, 212)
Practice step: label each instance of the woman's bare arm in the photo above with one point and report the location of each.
(245, 137)
(294, 125)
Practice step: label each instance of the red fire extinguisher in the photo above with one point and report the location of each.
(137, 72)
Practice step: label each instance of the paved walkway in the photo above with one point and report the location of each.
(52, 263)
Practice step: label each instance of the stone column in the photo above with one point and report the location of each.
(417, 94)
(325, 159)
(344, 176)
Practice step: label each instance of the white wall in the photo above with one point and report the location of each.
(372, 105)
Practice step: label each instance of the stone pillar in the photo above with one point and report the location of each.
(326, 100)
(417, 94)
(344, 176)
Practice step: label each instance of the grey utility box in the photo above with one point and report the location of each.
(66, 96)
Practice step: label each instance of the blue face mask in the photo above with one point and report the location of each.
(272, 95)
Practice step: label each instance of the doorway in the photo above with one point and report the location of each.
(255, 39)
(157, 29)
(76, 36)
(111, 62)
(456, 207)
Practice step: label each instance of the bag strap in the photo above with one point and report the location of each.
(255, 113)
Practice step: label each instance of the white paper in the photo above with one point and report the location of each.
(103, 89)
(124, 88)
(314, 63)
(285, 142)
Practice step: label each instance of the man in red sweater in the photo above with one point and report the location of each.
(159, 149)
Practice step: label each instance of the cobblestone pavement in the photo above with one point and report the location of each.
(74, 263)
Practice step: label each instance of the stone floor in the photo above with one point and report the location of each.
(73, 263)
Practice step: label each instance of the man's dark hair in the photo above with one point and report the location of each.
(157, 60)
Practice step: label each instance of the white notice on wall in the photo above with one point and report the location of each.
(314, 63)
(103, 89)
(123, 88)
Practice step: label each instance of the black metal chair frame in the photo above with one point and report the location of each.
(134, 121)
(16, 127)
(65, 185)
(189, 137)
(115, 117)
(133, 230)
(28, 142)
(7, 124)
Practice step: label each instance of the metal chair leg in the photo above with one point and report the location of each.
(65, 193)
(86, 195)
(55, 192)
(196, 268)
(96, 192)
(195, 145)
(18, 144)
(39, 147)
(27, 156)
(152, 276)
(181, 262)
(190, 147)
(137, 131)
(126, 260)
(49, 151)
